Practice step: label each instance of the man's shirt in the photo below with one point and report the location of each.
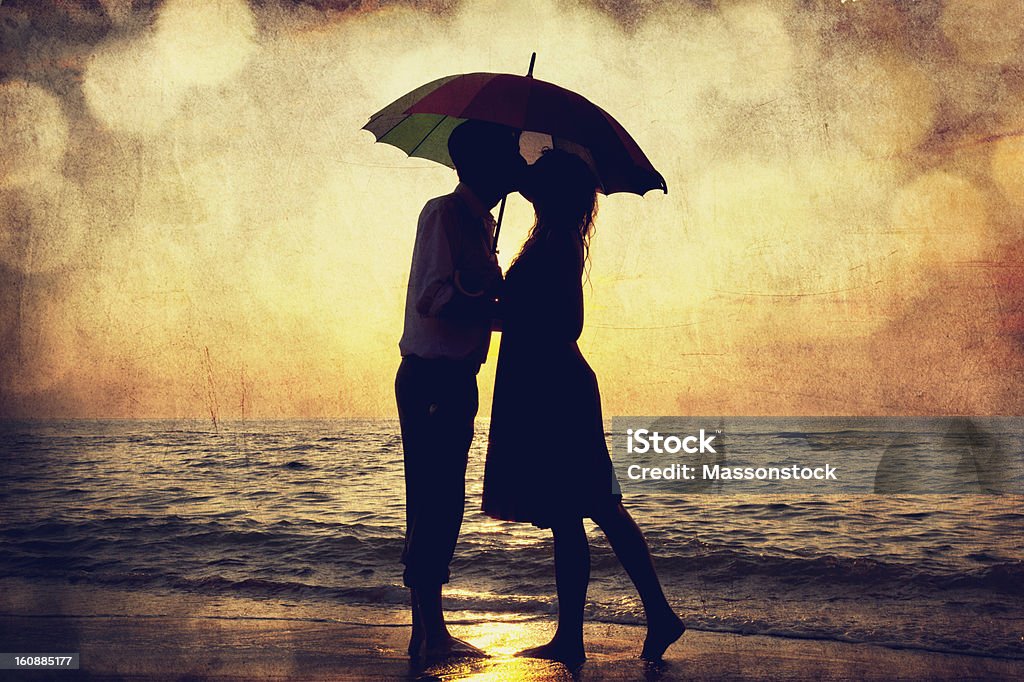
(453, 236)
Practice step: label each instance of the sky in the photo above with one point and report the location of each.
(194, 225)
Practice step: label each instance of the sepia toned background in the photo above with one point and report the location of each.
(192, 223)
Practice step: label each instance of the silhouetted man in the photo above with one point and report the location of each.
(449, 306)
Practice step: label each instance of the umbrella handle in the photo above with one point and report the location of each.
(501, 210)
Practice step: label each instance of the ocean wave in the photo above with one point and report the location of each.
(180, 543)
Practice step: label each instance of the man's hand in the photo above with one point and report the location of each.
(484, 281)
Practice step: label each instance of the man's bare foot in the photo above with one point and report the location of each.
(660, 636)
(452, 647)
(572, 655)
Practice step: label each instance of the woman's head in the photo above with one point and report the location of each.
(563, 191)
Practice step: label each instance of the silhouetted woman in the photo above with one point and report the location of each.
(547, 461)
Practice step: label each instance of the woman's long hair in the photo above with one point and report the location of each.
(563, 191)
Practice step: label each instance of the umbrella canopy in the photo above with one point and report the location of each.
(420, 122)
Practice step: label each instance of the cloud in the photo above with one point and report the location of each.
(985, 32)
(35, 129)
(137, 84)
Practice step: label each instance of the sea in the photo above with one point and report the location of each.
(312, 513)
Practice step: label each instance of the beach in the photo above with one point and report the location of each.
(173, 550)
(122, 634)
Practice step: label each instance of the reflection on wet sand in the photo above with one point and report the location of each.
(500, 639)
(143, 636)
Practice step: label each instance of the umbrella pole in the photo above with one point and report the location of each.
(501, 209)
(497, 226)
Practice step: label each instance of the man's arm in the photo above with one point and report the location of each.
(437, 294)
(434, 285)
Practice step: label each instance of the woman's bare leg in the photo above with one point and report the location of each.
(663, 626)
(572, 576)
(418, 636)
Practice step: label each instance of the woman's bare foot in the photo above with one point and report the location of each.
(660, 636)
(572, 655)
(415, 644)
(452, 647)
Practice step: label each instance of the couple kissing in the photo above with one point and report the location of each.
(547, 460)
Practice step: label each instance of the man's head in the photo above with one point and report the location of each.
(486, 157)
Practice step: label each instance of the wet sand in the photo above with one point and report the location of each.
(122, 634)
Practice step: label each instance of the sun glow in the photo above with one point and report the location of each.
(207, 208)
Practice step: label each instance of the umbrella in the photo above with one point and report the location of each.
(420, 122)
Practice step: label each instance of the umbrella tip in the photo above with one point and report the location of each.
(533, 59)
